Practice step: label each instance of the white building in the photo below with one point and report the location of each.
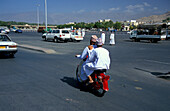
(107, 20)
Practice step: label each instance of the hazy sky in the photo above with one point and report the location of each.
(80, 6)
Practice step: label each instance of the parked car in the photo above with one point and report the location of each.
(58, 35)
(12, 29)
(76, 37)
(7, 46)
(3, 31)
(18, 31)
(5, 28)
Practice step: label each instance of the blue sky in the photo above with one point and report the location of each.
(63, 11)
(80, 6)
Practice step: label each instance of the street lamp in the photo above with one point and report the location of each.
(38, 16)
(46, 15)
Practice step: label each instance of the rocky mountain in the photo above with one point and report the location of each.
(154, 18)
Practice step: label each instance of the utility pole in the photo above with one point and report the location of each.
(46, 15)
(38, 16)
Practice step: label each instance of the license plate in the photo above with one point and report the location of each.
(2, 47)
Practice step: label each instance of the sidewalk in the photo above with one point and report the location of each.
(44, 50)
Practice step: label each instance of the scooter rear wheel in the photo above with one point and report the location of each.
(100, 92)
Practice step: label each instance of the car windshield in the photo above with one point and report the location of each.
(4, 38)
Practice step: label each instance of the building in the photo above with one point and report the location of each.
(100, 21)
(70, 23)
(106, 20)
(133, 23)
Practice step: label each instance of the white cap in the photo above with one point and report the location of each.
(99, 41)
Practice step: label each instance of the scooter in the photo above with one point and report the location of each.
(100, 84)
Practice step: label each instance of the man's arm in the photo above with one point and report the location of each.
(84, 54)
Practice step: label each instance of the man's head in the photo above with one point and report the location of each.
(93, 40)
(99, 42)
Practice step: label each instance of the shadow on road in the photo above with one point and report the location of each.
(4, 56)
(71, 81)
(74, 83)
(157, 74)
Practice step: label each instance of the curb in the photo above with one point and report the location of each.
(44, 50)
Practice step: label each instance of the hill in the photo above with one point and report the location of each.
(155, 18)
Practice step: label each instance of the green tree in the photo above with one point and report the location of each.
(108, 24)
(98, 25)
(117, 25)
(89, 25)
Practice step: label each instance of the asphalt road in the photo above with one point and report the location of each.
(35, 81)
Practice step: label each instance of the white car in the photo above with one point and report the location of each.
(58, 35)
(6, 29)
(76, 37)
(2, 31)
(7, 46)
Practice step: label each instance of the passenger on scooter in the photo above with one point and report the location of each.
(89, 48)
(98, 60)
(86, 54)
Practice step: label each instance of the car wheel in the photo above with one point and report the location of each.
(65, 41)
(55, 40)
(45, 38)
(11, 55)
(137, 40)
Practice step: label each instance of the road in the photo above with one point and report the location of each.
(36, 81)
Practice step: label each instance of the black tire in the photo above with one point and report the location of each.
(133, 39)
(100, 92)
(11, 55)
(72, 40)
(55, 40)
(137, 40)
(45, 38)
(153, 41)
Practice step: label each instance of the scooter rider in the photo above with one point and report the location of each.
(98, 60)
(86, 54)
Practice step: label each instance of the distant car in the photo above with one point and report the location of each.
(2, 31)
(18, 31)
(7, 46)
(7, 30)
(12, 30)
(129, 32)
(58, 35)
(76, 37)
